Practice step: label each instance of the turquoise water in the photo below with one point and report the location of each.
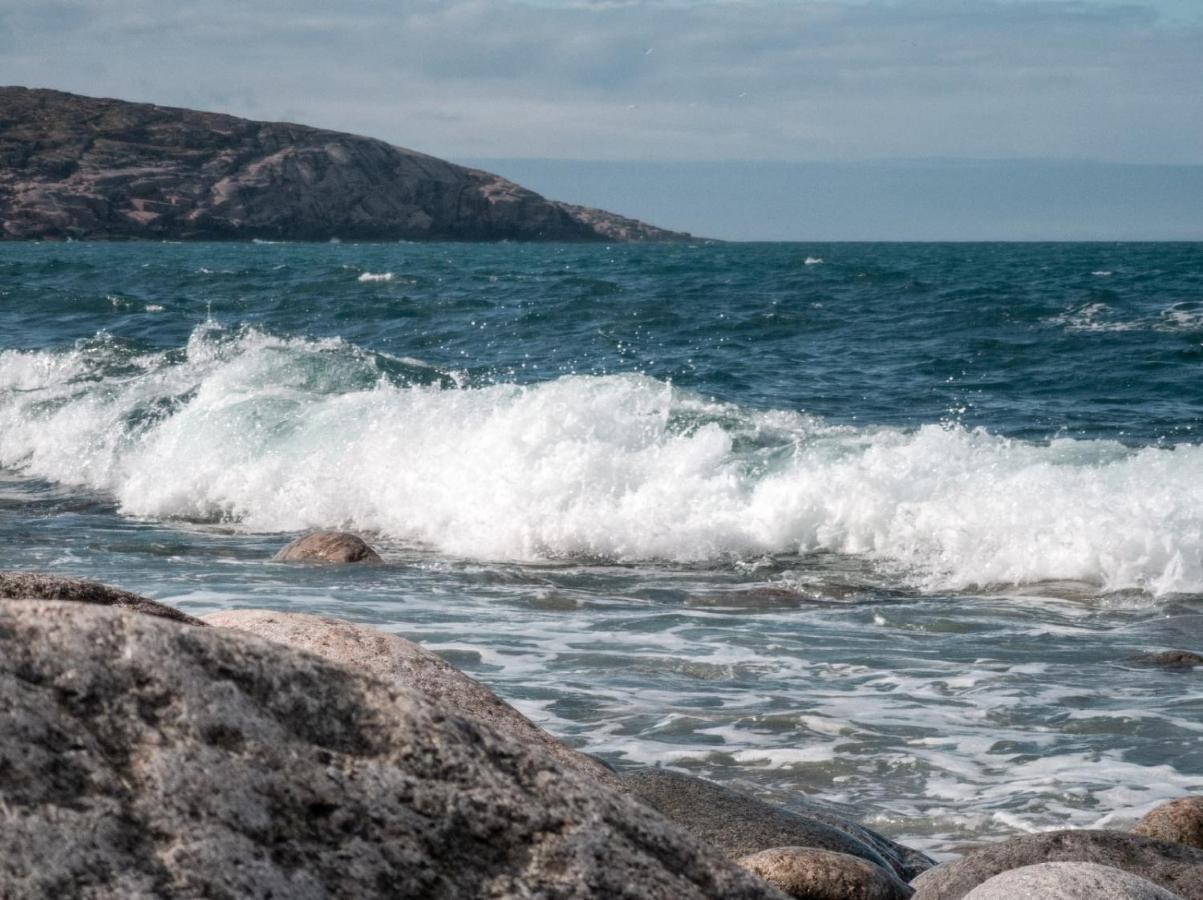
(876, 523)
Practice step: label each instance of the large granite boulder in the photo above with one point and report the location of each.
(1176, 868)
(738, 825)
(143, 758)
(328, 547)
(92, 168)
(39, 586)
(396, 661)
(1068, 881)
(1178, 821)
(808, 874)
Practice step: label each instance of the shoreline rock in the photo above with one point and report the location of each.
(396, 661)
(41, 586)
(1175, 867)
(140, 757)
(737, 825)
(805, 873)
(1069, 881)
(1178, 822)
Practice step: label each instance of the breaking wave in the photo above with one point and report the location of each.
(280, 434)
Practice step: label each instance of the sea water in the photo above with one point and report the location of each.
(881, 525)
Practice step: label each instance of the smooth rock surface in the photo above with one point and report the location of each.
(40, 586)
(1178, 821)
(1176, 868)
(808, 874)
(1068, 881)
(738, 825)
(143, 758)
(92, 168)
(396, 661)
(329, 547)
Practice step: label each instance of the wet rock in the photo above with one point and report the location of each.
(330, 547)
(808, 874)
(738, 825)
(1176, 868)
(394, 660)
(1169, 659)
(39, 586)
(1069, 881)
(1179, 821)
(143, 758)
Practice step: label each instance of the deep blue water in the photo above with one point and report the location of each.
(876, 522)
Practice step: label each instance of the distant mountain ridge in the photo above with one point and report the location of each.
(90, 168)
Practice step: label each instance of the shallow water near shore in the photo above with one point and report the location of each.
(877, 524)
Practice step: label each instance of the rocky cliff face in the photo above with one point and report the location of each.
(87, 168)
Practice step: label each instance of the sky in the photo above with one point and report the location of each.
(655, 81)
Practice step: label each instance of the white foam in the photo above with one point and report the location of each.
(276, 435)
(814, 261)
(375, 276)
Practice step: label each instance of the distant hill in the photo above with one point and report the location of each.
(88, 168)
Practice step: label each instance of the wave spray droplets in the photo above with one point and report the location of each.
(278, 434)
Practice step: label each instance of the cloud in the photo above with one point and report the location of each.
(727, 78)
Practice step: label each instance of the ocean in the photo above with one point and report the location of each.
(882, 525)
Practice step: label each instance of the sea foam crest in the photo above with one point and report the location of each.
(279, 434)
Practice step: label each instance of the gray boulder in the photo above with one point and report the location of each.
(142, 758)
(808, 874)
(330, 547)
(39, 586)
(738, 825)
(396, 661)
(1175, 867)
(1178, 821)
(1069, 881)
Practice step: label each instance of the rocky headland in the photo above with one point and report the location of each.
(258, 753)
(93, 169)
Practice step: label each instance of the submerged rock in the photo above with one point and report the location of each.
(139, 757)
(1178, 821)
(1172, 866)
(1169, 659)
(39, 586)
(330, 547)
(1068, 881)
(738, 825)
(805, 873)
(397, 661)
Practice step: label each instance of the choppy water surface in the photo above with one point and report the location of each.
(880, 524)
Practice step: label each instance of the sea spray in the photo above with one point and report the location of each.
(277, 434)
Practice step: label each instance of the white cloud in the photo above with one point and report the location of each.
(728, 79)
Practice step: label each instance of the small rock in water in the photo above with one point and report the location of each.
(1175, 867)
(39, 586)
(333, 547)
(738, 825)
(1169, 659)
(1069, 881)
(809, 874)
(396, 661)
(1179, 821)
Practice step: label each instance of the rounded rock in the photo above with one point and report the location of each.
(144, 758)
(329, 547)
(1179, 822)
(805, 873)
(1175, 867)
(1069, 881)
(39, 586)
(737, 825)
